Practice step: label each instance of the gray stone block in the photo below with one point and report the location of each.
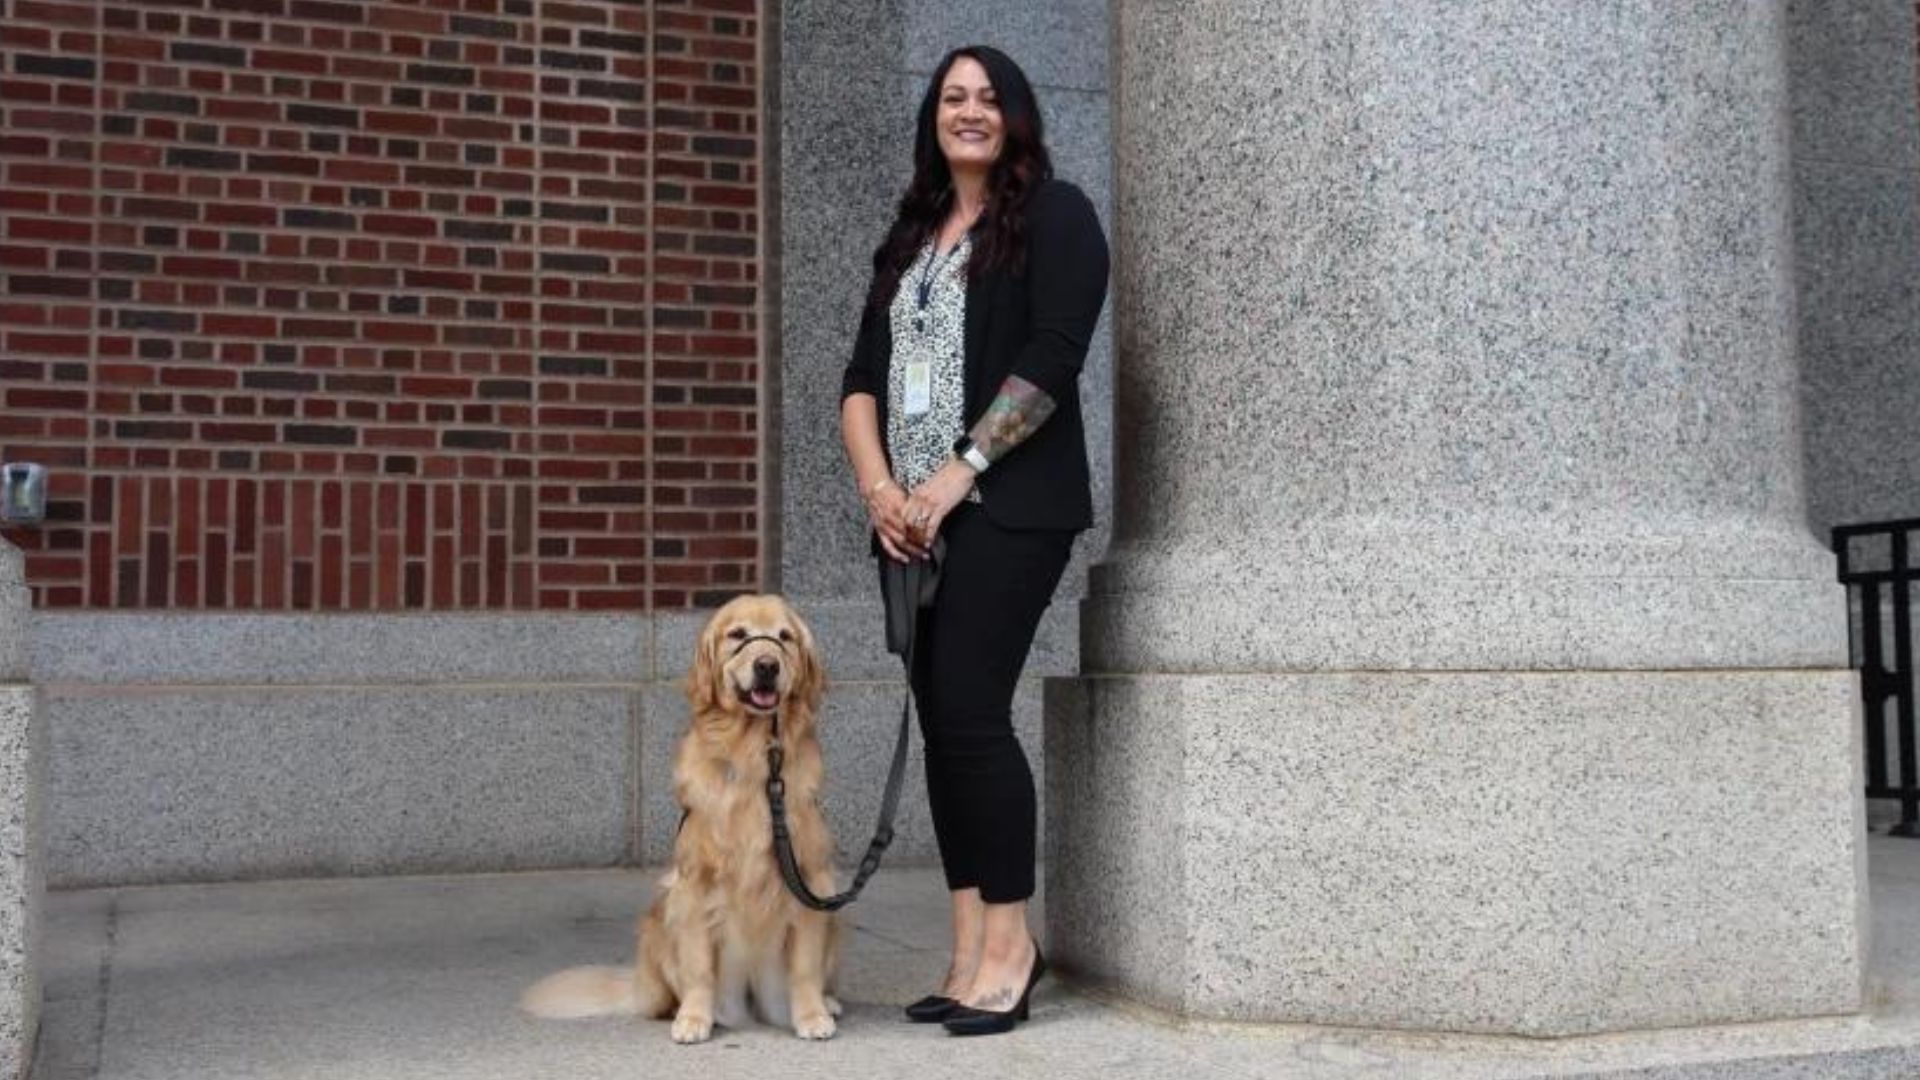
(1857, 247)
(1856, 145)
(839, 152)
(1058, 44)
(845, 35)
(1081, 140)
(846, 153)
(22, 876)
(1855, 233)
(207, 785)
(1852, 76)
(676, 635)
(298, 649)
(15, 612)
(1537, 854)
(663, 718)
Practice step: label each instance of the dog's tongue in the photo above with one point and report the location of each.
(765, 699)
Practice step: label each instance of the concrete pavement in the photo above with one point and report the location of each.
(416, 979)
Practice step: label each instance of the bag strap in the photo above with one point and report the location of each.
(882, 833)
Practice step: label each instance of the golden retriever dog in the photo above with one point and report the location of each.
(724, 935)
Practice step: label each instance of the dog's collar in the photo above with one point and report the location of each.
(746, 641)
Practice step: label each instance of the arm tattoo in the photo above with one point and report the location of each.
(1017, 411)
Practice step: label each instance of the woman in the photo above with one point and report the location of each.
(960, 411)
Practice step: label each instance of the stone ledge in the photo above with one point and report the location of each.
(1469, 624)
(296, 649)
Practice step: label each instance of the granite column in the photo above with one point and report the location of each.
(1462, 660)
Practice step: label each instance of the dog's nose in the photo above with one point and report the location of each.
(766, 668)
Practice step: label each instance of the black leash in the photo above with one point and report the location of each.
(913, 589)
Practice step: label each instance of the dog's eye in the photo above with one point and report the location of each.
(738, 633)
(786, 635)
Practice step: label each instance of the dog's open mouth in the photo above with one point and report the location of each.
(765, 699)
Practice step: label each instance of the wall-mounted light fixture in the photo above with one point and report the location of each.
(23, 493)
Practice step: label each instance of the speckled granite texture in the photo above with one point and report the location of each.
(293, 650)
(1538, 854)
(846, 135)
(1469, 595)
(23, 756)
(233, 783)
(1856, 188)
(1461, 629)
(15, 606)
(1448, 302)
(22, 881)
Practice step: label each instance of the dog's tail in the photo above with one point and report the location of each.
(588, 991)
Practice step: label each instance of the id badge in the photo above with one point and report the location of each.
(919, 390)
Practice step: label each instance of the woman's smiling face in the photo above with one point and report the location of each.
(969, 122)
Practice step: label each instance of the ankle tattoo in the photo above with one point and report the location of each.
(999, 1001)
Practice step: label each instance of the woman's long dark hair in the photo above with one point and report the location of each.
(1000, 239)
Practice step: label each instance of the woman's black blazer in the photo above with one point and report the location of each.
(1036, 324)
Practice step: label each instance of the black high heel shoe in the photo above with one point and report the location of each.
(932, 1008)
(966, 1020)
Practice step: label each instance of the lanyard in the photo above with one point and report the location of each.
(935, 262)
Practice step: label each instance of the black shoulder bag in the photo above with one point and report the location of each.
(906, 589)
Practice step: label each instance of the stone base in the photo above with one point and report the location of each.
(196, 748)
(1527, 853)
(22, 889)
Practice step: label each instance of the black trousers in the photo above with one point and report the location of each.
(968, 652)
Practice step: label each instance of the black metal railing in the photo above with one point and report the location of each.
(1876, 565)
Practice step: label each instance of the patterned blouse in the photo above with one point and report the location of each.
(932, 333)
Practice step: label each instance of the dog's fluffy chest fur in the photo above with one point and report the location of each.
(722, 788)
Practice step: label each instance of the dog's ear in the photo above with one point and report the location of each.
(703, 690)
(811, 684)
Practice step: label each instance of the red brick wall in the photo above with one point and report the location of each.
(383, 305)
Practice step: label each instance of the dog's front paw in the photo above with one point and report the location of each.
(816, 1026)
(692, 1028)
